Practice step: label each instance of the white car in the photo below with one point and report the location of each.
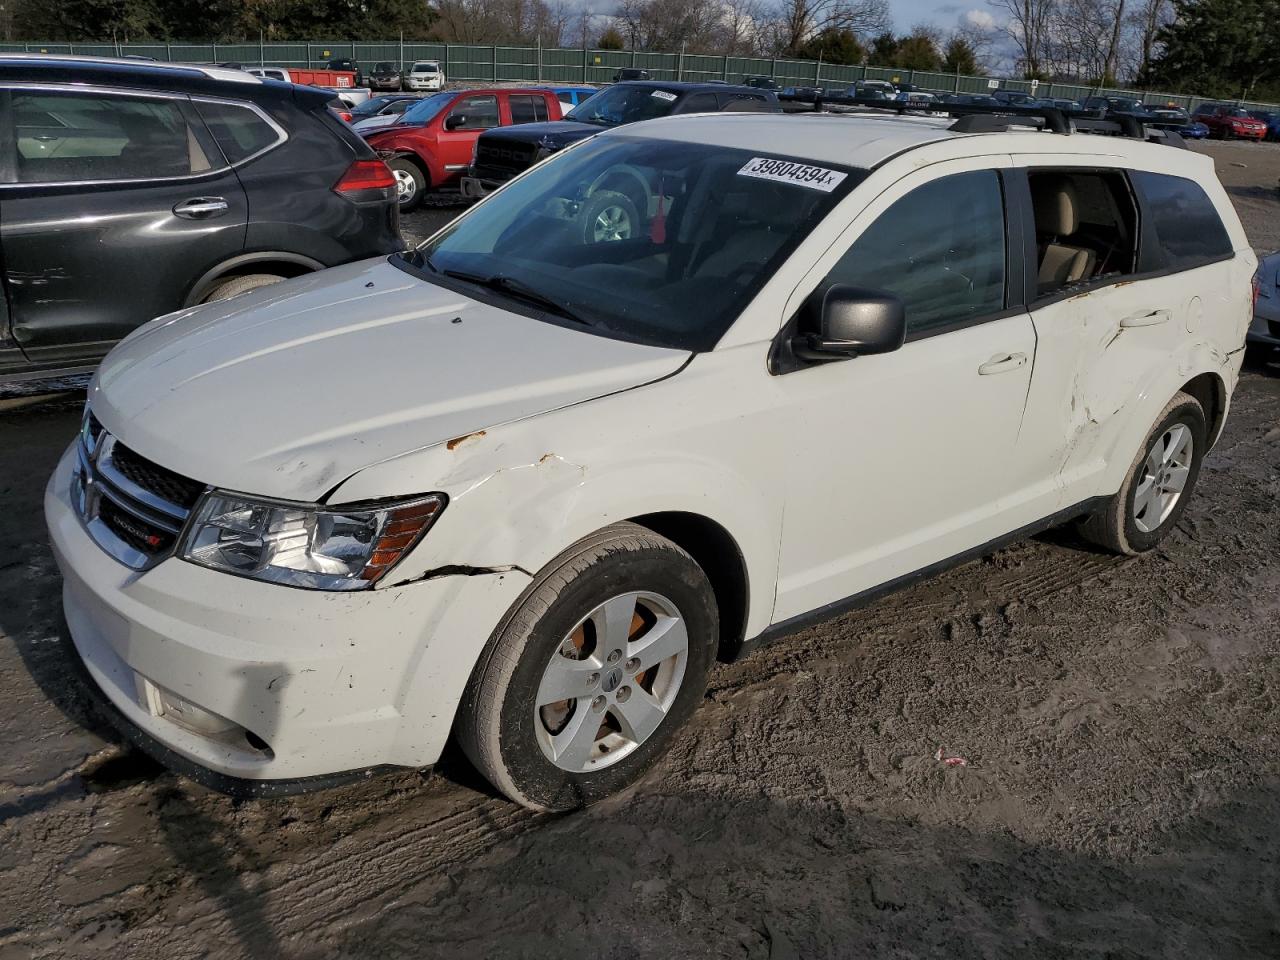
(424, 75)
(682, 388)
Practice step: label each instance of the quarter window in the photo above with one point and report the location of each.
(81, 137)
(240, 132)
(940, 249)
(1086, 227)
(478, 113)
(1186, 229)
(527, 109)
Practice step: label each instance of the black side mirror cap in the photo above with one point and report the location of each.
(455, 121)
(850, 321)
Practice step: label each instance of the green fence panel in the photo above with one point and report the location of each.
(484, 62)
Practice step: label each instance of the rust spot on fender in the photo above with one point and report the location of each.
(456, 442)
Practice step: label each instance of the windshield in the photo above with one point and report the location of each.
(424, 68)
(426, 108)
(371, 107)
(619, 105)
(635, 238)
(1237, 113)
(384, 67)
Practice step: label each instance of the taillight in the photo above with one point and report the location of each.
(366, 175)
(345, 116)
(1257, 287)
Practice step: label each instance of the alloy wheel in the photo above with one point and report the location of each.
(612, 223)
(1163, 477)
(611, 682)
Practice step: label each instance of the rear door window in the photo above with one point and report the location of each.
(526, 108)
(240, 131)
(1185, 227)
(700, 103)
(88, 137)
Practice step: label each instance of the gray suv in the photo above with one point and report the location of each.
(131, 190)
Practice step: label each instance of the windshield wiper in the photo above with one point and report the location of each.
(519, 291)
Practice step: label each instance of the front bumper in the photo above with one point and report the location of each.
(258, 682)
(476, 188)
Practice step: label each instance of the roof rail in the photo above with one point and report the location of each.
(211, 71)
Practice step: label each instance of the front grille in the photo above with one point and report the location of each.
(155, 479)
(143, 535)
(494, 162)
(133, 508)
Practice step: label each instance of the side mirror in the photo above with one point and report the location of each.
(455, 120)
(851, 321)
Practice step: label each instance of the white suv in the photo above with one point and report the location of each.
(675, 391)
(425, 75)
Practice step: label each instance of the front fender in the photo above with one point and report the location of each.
(516, 500)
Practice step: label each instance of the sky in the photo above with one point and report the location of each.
(945, 14)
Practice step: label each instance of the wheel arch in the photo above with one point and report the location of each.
(715, 550)
(1211, 392)
(286, 264)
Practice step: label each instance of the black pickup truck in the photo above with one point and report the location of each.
(504, 152)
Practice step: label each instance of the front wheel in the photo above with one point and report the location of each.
(411, 183)
(1159, 483)
(596, 668)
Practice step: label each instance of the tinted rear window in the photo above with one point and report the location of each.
(1185, 226)
(240, 132)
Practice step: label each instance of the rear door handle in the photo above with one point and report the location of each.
(201, 208)
(1002, 363)
(1146, 319)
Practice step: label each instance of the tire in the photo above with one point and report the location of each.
(411, 183)
(607, 216)
(511, 739)
(1130, 525)
(234, 286)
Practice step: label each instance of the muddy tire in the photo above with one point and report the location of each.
(234, 286)
(592, 672)
(411, 183)
(1159, 484)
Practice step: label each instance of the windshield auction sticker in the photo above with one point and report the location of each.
(787, 171)
(663, 95)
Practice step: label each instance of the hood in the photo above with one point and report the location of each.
(374, 123)
(288, 390)
(554, 134)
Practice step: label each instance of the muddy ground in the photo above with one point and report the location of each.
(1120, 719)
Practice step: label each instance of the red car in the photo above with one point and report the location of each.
(1225, 122)
(432, 143)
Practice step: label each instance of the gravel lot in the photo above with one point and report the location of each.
(1119, 718)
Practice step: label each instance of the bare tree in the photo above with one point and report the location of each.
(797, 21)
(1029, 24)
(1146, 22)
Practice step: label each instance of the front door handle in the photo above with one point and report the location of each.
(201, 208)
(1150, 319)
(1002, 363)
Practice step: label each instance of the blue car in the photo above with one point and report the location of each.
(1272, 119)
(570, 97)
(1173, 117)
(1195, 130)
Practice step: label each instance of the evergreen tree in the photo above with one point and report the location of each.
(834, 45)
(1220, 48)
(960, 57)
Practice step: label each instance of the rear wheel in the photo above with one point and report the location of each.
(234, 286)
(593, 672)
(607, 216)
(411, 183)
(1159, 484)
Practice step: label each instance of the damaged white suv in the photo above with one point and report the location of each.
(527, 482)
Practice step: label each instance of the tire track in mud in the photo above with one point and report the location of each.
(368, 868)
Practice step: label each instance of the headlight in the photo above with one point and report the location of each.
(319, 548)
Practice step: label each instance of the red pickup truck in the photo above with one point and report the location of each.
(431, 145)
(1225, 121)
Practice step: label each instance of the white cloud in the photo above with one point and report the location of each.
(979, 19)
